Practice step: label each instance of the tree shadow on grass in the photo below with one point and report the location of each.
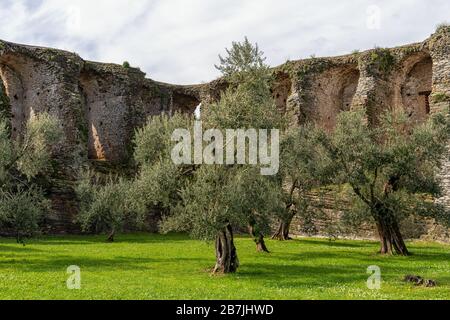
(136, 238)
(337, 243)
(17, 248)
(327, 256)
(60, 263)
(367, 258)
(417, 253)
(290, 276)
(420, 256)
(329, 275)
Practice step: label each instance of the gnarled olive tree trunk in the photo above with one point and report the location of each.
(258, 237)
(226, 256)
(284, 226)
(111, 235)
(19, 237)
(282, 232)
(391, 239)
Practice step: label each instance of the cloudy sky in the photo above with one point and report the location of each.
(178, 41)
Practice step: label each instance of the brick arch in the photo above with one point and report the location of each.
(89, 89)
(281, 90)
(184, 102)
(334, 92)
(417, 86)
(410, 86)
(105, 118)
(14, 89)
(5, 110)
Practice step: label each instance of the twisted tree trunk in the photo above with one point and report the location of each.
(111, 235)
(391, 239)
(284, 226)
(226, 256)
(259, 239)
(19, 237)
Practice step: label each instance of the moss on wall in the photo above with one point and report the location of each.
(5, 109)
(440, 97)
(443, 28)
(380, 62)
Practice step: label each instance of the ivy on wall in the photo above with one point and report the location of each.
(5, 110)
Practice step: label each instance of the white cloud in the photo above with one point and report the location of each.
(178, 40)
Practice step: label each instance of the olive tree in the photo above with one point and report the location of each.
(105, 205)
(392, 169)
(220, 199)
(247, 104)
(159, 180)
(302, 169)
(211, 200)
(23, 161)
(108, 204)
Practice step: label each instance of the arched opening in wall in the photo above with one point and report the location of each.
(281, 90)
(332, 92)
(107, 117)
(12, 99)
(5, 108)
(90, 95)
(417, 87)
(348, 89)
(198, 112)
(184, 103)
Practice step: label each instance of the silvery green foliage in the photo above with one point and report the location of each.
(21, 161)
(104, 203)
(6, 151)
(243, 60)
(41, 132)
(159, 181)
(108, 204)
(158, 185)
(221, 195)
(22, 210)
(216, 196)
(303, 168)
(394, 165)
(243, 107)
(203, 199)
(154, 140)
(247, 102)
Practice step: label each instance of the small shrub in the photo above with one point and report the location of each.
(382, 60)
(440, 97)
(126, 65)
(443, 27)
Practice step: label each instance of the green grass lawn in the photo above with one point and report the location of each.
(143, 266)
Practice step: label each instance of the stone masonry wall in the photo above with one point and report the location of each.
(100, 105)
(415, 78)
(440, 97)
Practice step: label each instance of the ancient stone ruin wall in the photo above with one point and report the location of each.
(414, 78)
(100, 105)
